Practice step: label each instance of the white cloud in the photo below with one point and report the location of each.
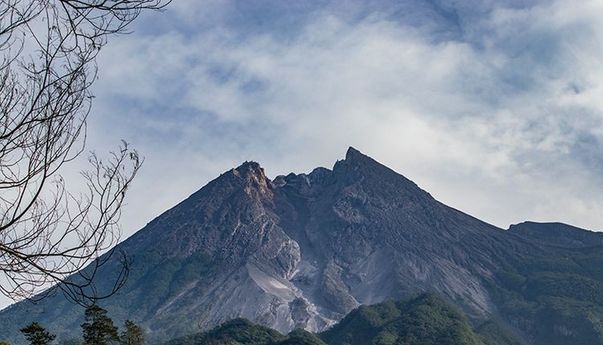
(505, 123)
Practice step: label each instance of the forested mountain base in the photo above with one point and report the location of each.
(424, 320)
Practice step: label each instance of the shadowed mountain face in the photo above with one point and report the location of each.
(301, 251)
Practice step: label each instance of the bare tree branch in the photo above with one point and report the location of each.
(48, 64)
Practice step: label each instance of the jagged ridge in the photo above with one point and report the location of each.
(305, 249)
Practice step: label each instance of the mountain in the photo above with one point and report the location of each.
(303, 250)
(558, 234)
(425, 319)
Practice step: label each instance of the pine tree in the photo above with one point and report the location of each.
(98, 328)
(132, 334)
(37, 335)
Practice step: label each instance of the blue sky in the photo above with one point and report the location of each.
(494, 107)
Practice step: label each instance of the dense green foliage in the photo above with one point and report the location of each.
(557, 298)
(496, 333)
(37, 335)
(424, 320)
(132, 334)
(301, 337)
(234, 332)
(98, 328)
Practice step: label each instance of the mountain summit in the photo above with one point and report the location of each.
(303, 250)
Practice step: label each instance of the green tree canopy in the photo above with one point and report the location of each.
(98, 328)
(37, 335)
(132, 334)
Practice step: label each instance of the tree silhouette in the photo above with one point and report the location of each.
(132, 334)
(37, 335)
(98, 328)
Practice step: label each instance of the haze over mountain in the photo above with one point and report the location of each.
(303, 250)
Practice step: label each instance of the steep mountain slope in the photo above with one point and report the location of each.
(554, 295)
(301, 251)
(557, 234)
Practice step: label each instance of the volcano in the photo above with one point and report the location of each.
(303, 250)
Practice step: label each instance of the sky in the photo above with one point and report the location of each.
(494, 107)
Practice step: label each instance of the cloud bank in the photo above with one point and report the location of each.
(496, 108)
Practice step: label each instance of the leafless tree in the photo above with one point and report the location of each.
(47, 67)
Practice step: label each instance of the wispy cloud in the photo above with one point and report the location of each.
(496, 110)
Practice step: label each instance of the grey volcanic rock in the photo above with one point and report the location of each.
(301, 251)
